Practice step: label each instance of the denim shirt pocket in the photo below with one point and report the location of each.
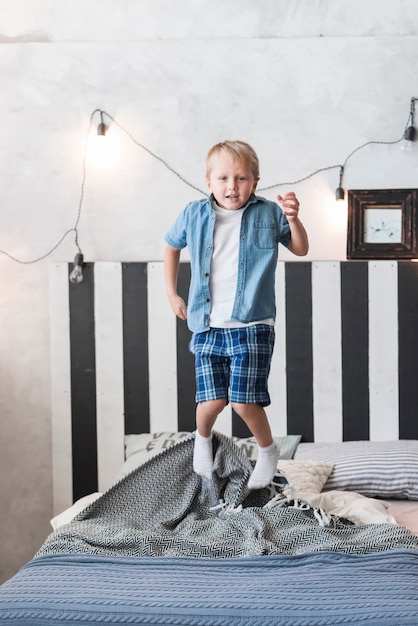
(265, 234)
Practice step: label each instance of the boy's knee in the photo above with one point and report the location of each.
(247, 410)
(241, 408)
(213, 407)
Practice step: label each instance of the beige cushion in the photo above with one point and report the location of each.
(305, 475)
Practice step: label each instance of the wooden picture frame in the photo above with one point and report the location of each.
(382, 224)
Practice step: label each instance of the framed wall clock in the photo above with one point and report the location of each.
(382, 224)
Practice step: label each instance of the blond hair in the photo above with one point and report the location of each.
(236, 150)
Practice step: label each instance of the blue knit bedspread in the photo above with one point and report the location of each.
(157, 549)
(319, 589)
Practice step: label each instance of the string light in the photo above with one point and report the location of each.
(339, 192)
(409, 134)
(101, 129)
(76, 274)
(410, 130)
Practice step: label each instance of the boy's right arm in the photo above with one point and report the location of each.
(171, 270)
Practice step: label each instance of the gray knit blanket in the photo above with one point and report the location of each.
(164, 508)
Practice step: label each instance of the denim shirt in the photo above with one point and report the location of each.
(263, 227)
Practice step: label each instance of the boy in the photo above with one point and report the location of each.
(233, 239)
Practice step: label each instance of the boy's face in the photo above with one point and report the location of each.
(231, 182)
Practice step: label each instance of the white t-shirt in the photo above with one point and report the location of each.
(224, 268)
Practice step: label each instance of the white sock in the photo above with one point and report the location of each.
(203, 455)
(265, 467)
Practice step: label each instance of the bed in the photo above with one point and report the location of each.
(334, 539)
(165, 546)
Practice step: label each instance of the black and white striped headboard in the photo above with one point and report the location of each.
(345, 365)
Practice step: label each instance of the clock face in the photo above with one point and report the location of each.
(383, 225)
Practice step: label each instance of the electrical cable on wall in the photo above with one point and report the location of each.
(76, 274)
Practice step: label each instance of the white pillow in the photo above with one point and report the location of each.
(140, 448)
(147, 445)
(66, 516)
(382, 469)
(305, 475)
(353, 506)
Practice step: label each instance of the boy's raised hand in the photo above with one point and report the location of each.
(289, 204)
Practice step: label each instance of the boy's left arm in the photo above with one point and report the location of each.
(299, 243)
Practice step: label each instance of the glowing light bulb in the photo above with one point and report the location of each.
(76, 275)
(104, 150)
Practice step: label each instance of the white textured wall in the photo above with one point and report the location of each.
(304, 81)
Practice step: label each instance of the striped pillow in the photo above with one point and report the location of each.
(378, 469)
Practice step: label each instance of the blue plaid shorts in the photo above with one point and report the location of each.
(233, 363)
